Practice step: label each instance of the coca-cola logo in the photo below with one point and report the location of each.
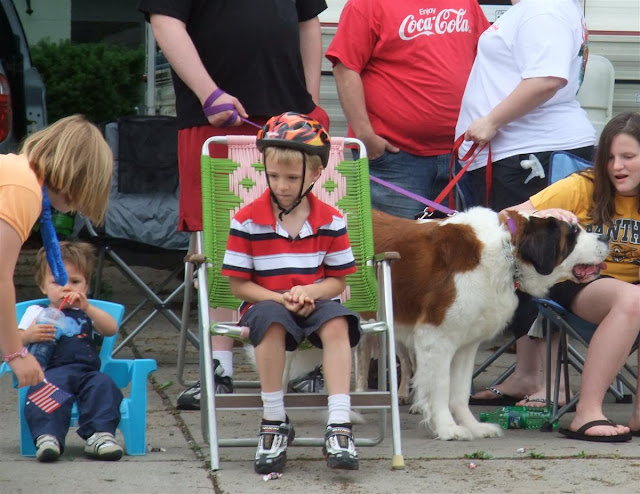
(445, 21)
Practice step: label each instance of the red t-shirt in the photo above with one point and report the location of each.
(414, 59)
(260, 250)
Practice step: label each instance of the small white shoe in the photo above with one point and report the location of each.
(103, 446)
(48, 448)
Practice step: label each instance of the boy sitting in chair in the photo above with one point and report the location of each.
(74, 365)
(287, 257)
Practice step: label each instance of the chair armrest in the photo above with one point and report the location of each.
(387, 256)
(230, 329)
(125, 371)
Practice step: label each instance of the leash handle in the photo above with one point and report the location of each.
(210, 109)
(473, 152)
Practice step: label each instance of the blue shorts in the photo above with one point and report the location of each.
(425, 176)
(260, 316)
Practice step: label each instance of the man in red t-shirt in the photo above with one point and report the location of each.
(401, 69)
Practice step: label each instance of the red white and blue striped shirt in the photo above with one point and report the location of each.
(260, 250)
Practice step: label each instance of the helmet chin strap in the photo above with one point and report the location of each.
(301, 194)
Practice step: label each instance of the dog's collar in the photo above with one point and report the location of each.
(507, 248)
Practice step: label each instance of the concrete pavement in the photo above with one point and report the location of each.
(177, 460)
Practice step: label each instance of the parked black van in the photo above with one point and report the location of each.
(22, 94)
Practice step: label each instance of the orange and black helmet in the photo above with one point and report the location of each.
(296, 131)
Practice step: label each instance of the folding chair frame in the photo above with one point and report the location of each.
(567, 322)
(160, 306)
(383, 400)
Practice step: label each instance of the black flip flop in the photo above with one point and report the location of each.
(581, 436)
(636, 433)
(501, 399)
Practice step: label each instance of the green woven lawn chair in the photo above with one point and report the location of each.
(227, 185)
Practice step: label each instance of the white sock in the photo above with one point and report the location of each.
(339, 408)
(226, 361)
(273, 406)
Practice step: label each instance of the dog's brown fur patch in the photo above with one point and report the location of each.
(423, 279)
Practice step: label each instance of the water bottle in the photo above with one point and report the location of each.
(54, 317)
(518, 417)
(65, 326)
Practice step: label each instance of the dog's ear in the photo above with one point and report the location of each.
(540, 243)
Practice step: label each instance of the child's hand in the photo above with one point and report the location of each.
(37, 333)
(298, 301)
(78, 300)
(307, 308)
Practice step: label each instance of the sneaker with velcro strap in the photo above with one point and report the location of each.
(275, 437)
(339, 448)
(312, 382)
(189, 399)
(103, 446)
(47, 448)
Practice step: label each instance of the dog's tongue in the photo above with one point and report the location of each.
(585, 270)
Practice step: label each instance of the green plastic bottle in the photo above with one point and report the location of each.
(518, 417)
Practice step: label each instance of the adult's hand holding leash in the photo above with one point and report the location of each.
(481, 131)
(227, 110)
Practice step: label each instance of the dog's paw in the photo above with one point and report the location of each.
(406, 400)
(484, 429)
(454, 433)
(415, 409)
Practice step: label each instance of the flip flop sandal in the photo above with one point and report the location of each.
(501, 399)
(581, 436)
(528, 399)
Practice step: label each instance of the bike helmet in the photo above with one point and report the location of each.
(296, 131)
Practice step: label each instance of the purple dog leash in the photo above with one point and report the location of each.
(413, 196)
(210, 109)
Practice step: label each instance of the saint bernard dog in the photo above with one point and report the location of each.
(454, 288)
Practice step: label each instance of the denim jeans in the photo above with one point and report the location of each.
(425, 176)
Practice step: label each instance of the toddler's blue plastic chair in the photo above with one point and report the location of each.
(133, 408)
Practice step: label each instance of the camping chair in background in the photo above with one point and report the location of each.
(130, 374)
(570, 326)
(596, 92)
(141, 223)
(228, 184)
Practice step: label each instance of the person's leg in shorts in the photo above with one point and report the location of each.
(336, 330)
(190, 143)
(615, 306)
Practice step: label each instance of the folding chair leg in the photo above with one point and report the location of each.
(397, 461)
(207, 386)
(186, 310)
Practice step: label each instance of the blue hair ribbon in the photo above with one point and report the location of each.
(50, 242)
